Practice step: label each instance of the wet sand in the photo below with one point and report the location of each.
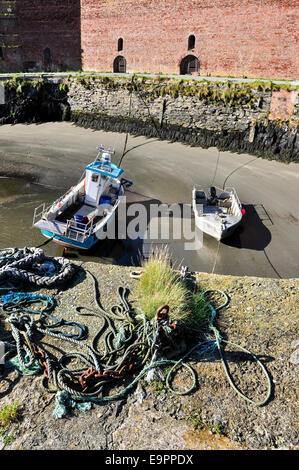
(50, 158)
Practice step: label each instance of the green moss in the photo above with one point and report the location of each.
(9, 414)
(217, 429)
(8, 439)
(84, 81)
(196, 422)
(63, 87)
(19, 84)
(217, 93)
(284, 86)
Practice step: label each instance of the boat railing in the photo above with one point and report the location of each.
(234, 193)
(78, 231)
(64, 196)
(40, 212)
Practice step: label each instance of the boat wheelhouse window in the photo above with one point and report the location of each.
(191, 42)
(120, 44)
(94, 177)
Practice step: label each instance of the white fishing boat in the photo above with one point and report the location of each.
(217, 215)
(81, 217)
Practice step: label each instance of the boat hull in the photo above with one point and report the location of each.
(66, 242)
(211, 230)
(213, 217)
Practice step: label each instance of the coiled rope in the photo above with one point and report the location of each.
(20, 264)
(137, 345)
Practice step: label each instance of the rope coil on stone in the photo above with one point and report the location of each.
(138, 346)
(21, 265)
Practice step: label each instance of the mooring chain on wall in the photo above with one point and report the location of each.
(134, 87)
(141, 98)
(129, 116)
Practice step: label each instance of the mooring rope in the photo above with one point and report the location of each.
(136, 345)
(24, 265)
(220, 340)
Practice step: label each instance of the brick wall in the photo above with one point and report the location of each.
(10, 52)
(54, 24)
(35, 25)
(254, 38)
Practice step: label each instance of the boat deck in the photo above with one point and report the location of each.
(58, 226)
(214, 214)
(69, 212)
(53, 226)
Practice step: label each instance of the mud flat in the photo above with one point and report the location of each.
(261, 316)
(54, 155)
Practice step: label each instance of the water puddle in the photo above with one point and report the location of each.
(19, 198)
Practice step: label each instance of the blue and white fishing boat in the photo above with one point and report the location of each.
(81, 217)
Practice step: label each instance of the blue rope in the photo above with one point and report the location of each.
(18, 301)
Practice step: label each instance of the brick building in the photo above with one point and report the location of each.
(253, 38)
(40, 35)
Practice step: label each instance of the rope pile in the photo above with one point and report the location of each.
(127, 348)
(25, 265)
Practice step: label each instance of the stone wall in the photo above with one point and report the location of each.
(254, 38)
(237, 117)
(257, 118)
(33, 101)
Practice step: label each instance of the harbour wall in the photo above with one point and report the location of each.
(257, 117)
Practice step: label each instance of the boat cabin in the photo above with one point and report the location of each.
(101, 180)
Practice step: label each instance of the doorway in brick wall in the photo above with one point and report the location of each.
(119, 64)
(189, 64)
(47, 59)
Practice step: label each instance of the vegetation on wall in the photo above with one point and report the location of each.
(33, 101)
(217, 92)
(42, 100)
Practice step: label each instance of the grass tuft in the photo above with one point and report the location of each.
(200, 312)
(160, 285)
